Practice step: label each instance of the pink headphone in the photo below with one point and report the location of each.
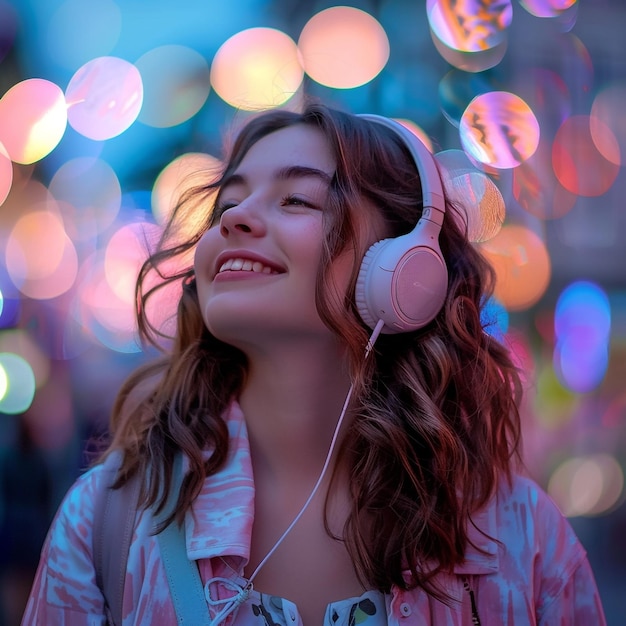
(403, 280)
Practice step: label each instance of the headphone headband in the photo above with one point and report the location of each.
(432, 187)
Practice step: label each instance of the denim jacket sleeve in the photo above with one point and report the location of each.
(544, 576)
(64, 591)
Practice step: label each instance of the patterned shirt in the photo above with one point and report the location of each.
(524, 564)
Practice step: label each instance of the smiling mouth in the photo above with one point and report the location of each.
(246, 265)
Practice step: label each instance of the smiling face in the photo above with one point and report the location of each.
(256, 267)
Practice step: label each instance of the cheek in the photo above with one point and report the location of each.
(203, 264)
(204, 255)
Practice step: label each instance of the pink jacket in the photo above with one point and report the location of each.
(528, 569)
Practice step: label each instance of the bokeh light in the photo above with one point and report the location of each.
(580, 362)
(522, 265)
(499, 129)
(607, 112)
(89, 193)
(587, 485)
(35, 246)
(480, 203)
(104, 97)
(125, 252)
(257, 68)
(40, 258)
(6, 174)
(104, 317)
(469, 26)
(20, 386)
(343, 47)
(578, 163)
(605, 140)
(176, 84)
(124, 255)
(33, 119)
(25, 196)
(20, 342)
(582, 324)
(471, 36)
(4, 382)
(547, 8)
(583, 304)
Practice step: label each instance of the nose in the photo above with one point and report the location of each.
(242, 218)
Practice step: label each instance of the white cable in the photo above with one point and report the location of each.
(370, 344)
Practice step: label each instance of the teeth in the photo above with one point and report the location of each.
(246, 265)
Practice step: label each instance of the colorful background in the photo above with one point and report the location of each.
(109, 109)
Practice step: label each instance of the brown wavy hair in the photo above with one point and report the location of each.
(437, 424)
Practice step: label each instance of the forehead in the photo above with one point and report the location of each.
(295, 145)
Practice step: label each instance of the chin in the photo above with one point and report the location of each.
(264, 331)
(236, 317)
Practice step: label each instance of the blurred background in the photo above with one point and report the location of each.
(109, 109)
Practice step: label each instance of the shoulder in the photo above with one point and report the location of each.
(75, 515)
(64, 589)
(527, 505)
(541, 568)
(523, 497)
(538, 542)
(527, 516)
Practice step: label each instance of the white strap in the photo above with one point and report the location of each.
(183, 576)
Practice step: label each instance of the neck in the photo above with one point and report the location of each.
(292, 401)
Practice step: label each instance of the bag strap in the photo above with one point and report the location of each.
(114, 520)
(183, 576)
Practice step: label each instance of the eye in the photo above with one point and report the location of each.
(220, 208)
(291, 200)
(224, 206)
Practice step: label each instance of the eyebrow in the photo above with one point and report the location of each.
(284, 173)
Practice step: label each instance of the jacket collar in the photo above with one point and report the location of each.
(219, 522)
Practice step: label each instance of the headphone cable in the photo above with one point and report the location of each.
(370, 344)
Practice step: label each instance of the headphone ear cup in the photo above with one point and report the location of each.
(363, 281)
(402, 281)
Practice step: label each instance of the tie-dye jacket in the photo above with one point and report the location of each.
(528, 567)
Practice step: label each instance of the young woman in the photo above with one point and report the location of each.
(348, 431)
